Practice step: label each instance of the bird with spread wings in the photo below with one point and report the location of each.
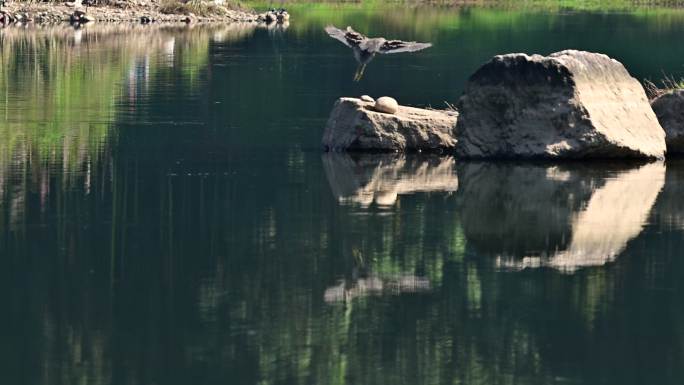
(366, 48)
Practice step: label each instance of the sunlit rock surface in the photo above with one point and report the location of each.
(565, 217)
(382, 178)
(571, 104)
(355, 126)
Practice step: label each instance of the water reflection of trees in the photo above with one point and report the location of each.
(203, 269)
(63, 89)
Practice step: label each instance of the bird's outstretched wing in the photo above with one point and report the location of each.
(397, 46)
(354, 37)
(350, 38)
(337, 34)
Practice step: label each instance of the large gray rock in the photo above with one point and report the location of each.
(354, 126)
(669, 108)
(571, 104)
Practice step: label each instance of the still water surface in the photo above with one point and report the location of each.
(167, 216)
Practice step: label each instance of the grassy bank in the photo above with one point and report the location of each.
(550, 5)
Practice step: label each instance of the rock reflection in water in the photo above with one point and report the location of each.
(381, 178)
(565, 217)
(670, 206)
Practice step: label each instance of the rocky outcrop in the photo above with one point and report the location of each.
(669, 108)
(273, 15)
(566, 216)
(571, 104)
(21, 12)
(382, 178)
(81, 17)
(354, 125)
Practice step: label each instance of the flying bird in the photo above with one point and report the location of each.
(366, 48)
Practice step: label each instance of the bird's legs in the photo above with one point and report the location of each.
(363, 58)
(359, 71)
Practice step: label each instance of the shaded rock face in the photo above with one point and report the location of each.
(381, 178)
(566, 216)
(571, 104)
(669, 108)
(354, 126)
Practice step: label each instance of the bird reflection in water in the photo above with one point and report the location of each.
(366, 48)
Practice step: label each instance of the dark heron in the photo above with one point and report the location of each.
(366, 48)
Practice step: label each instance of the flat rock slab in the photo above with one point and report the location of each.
(669, 108)
(571, 104)
(354, 126)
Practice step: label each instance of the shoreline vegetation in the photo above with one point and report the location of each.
(226, 11)
(666, 85)
(540, 5)
(142, 11)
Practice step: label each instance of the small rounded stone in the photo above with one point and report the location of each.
(387, 105)
(367, 98)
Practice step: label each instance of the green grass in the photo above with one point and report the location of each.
(667, 84)
(548, 5)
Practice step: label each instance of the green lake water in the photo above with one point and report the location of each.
(167, 215)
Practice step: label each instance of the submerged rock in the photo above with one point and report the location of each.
(669, 108)
(354, 126)
(571, 104)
